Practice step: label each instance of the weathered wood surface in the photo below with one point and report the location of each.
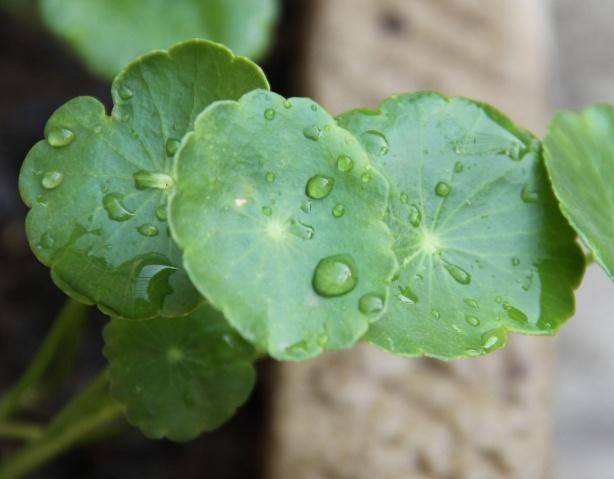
(361, 413)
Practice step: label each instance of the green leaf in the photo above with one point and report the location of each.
(98, 185)
(279, 214)
(107, 34)
(580, 159)
(179, 377)
(483, 247)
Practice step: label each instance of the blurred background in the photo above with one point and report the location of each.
(528, 57)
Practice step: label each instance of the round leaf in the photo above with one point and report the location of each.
(107, 34)
(98, 185)
(483, 247)
(580, 159)
(279, 214)
(178, 377)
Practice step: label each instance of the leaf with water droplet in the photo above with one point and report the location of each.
(463, 167)
(579, 153)
(178, 377)
(286, 279)
(108, 34)
(100, 192)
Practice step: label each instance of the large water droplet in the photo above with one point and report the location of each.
(345, 163)
(493, 339)
(300, 230)
(375, 142)
(459, 274)
(125, 93)
(415, 216)
(161, 212)
(335, 276)
(442, 189)
(528, 195)
(515, 314)
(59, 137)
(312, 132)
(148, 230)
(371, 304)
(52, 179)
(113, 203)
(338, 210)
(269, 114)
(146, 179)
(319, 186)
(171, 146)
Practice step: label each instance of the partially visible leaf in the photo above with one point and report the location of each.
(279, 214)
(179, 377)
(98, 185)
(108, 34)
(483, 247)
(580, 160)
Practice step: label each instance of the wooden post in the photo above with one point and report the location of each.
(363, 414)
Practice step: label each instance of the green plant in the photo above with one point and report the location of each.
(218, 222)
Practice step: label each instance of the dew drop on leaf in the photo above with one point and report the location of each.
(407, 296)
(404, 198)
(319, 186)
(270, 177)
(113, 203)
(370, 304)
(148, 230)
(493, 339)
(287, 104)
(515, 261)
(375, 142)
(146, 179)
(46, 241)
(415, 217)
(161, 212)
(442, 189)
(300, 230)
(335, 276)
(472, 303)
(528, 195)
(458, 274)
(458, 167)
(312, 132)
(125, 93)
(171, 146)
(306, 206)
(472, 320)
(345, 163)
(52, 179)
(435, 314)
(269, 114)
(338, 210)
(366, 177)
(60, 137)
(515, 314)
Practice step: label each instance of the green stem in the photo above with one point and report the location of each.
(20, 431)
(61, 340)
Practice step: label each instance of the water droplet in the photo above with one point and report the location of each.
(161, 212)
(172, 145)
(513, 152)
(442, 189)
(148, 230)
(312, 132)
(375, 142)
(473, 352)
(371, 304)
(46, 241)
(366, 177)
(299, 229)
(270, 177)
(345, 163)
(52, 179)
(297, 349)
(415, 216)
(134, 134)
(113, 203)
(125, 93)
(59, 137)
(459, 274)
(338, 210)
(269, 114)
(146, 179)
(267, 210)
(335, 276)
(404, 198)
(498, 300)
(528, 195)
(314, 107)
(472, 303)
(322, 340)
(306, 206)
(515, 261)
(472, 320)
(287, 104)
(407, 296)
(515, 314)
(319, 186)
(458, 167)
(493, 339)
(435, 314)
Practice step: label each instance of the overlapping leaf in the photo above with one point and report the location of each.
(97, 186)
(482, 246)
(179, 377)
(279, 214)
(108, 34)
(580, 160)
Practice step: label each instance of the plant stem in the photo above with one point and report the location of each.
(20, 431)
(62, 339)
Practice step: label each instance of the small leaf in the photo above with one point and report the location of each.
(580, 160)
(108, 34)
(483, 247)
(98, 185)
(253, 211)
(179, 377)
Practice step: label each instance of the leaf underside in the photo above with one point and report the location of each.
(579, 152)
(178, 377)
(108, 34)
(279, 215)
(482, 246)
(98, 185)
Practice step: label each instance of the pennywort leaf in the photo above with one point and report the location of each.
(279, 214)
(580, 160)
(98, 185)
(482, 246)
(108, 34)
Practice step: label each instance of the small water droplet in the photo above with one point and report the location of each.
(161, 212)
(472, 303)
(113, 203)
(287, 104)
(404, 198)
(415, 216)
(375, 142)
(366, 177)
(498, 300)
(458, 167)
(52, 179)
(335, 276)
(312, 132)
(338, 210)
(59, 137)
(300, 229)
(515, 314)
(306, 206)
(435, 314)
(371, 304)
(125, 93)
(458, 274)
(171, 146)
(297, 349)
(319, 186)
(269, 114)
(314, 107)
(442, 189)
(515, 261)
(472, 320)
(407, 296)
(513, 152)
(322, 340)
(270, 177)
(146, 179)
(267, 210)
(493, 339)
(345, 163)
(473, 352)
(528, 195)
(148, 230)
(46, 241)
